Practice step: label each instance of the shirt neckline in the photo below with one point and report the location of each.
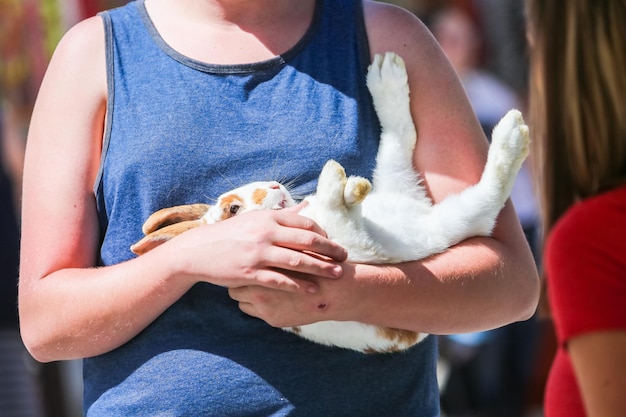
(277, 61)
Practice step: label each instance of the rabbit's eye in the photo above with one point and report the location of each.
(234, 209)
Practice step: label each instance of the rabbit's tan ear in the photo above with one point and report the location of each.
(172, 215)
(162, 235)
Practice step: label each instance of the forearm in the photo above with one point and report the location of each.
(75, 313)
(465, 289)
(481, 283)
(599, 359)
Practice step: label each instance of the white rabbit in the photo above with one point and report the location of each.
(390, 220)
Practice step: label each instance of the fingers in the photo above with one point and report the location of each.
(276, 308)
(303, 234)
(288, 217)
(287, 281)
(270, 249)
(288, 242)
(301, 262)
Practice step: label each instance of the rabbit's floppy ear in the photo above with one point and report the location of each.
(172, 215)
(162, 235)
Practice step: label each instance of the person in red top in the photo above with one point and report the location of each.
(578, 120)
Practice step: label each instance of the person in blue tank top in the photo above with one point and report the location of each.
(162, 102)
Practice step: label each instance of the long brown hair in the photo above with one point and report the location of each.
(577, 99)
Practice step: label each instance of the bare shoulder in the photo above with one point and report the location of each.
(74, 89)
(391, 28)
(81, 54)
(83, 36)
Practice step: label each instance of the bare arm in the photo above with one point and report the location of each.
(71, 309)
(65, 303)
(480, 283)
(599, 361)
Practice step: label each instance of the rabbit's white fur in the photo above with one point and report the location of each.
(391, 220)
(396, 221)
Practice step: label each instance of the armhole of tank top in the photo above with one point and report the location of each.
(365, 56)
(106, 137)
(363, 41)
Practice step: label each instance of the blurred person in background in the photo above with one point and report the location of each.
(504, 34)
(578, 120)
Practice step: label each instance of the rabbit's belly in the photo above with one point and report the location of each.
(358, 336)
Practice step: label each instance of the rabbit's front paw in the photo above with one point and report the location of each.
(357, 188)
(331, 185)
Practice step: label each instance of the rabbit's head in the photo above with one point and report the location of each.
(169, 222)
(263, 195)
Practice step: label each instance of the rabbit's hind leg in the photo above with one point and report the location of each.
(509, 147)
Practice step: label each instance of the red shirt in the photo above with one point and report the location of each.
(586, 266)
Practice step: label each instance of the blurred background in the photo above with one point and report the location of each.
(496, 373)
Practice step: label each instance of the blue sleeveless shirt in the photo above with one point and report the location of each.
(181, 131)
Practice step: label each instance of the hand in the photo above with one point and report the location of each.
(267, 248)
(335, 300)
